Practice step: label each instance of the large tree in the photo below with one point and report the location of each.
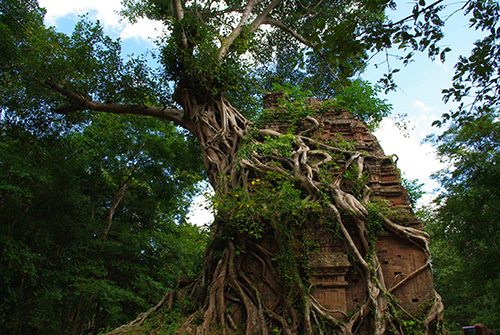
(212, 55)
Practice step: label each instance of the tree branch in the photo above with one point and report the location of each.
(258, 21)
(244, 20)
(294, 34)
(83, 103)
(418, 13)
(238, 30)
(178, 14)
(116, 201)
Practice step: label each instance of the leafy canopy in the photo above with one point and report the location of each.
(78, 255)
(313, 42)
(236, 48)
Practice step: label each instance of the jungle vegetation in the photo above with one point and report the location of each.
(100, 155)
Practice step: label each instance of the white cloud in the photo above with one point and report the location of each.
(144, 28)
(442, 66)
(416, 160)
(422, 116)
(422, 107)
(200, 212)
(104, 11)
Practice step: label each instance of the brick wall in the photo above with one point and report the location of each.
(337, 284)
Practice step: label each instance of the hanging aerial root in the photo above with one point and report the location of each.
(418, 237)
(435, 314)
(214, 312)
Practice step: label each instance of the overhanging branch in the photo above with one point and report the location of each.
(178, 14)
(82, 103)
(260, 19)
(238, 30)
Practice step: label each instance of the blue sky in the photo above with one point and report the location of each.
(418, 96)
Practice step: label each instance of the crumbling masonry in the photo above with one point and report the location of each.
(336, 283)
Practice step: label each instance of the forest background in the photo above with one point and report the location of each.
(108, 179)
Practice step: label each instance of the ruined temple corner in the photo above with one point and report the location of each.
(336, 284)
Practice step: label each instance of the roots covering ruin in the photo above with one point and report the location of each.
(292, 203)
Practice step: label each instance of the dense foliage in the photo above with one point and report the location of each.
(91, 204)
(92, 207)
(92, 228)
(466, 226)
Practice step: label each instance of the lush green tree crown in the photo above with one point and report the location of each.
(239, 48)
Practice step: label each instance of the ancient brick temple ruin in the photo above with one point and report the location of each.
(336, 283)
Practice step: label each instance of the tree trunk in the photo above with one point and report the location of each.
(278, 196)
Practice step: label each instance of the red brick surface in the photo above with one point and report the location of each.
(337, 284)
